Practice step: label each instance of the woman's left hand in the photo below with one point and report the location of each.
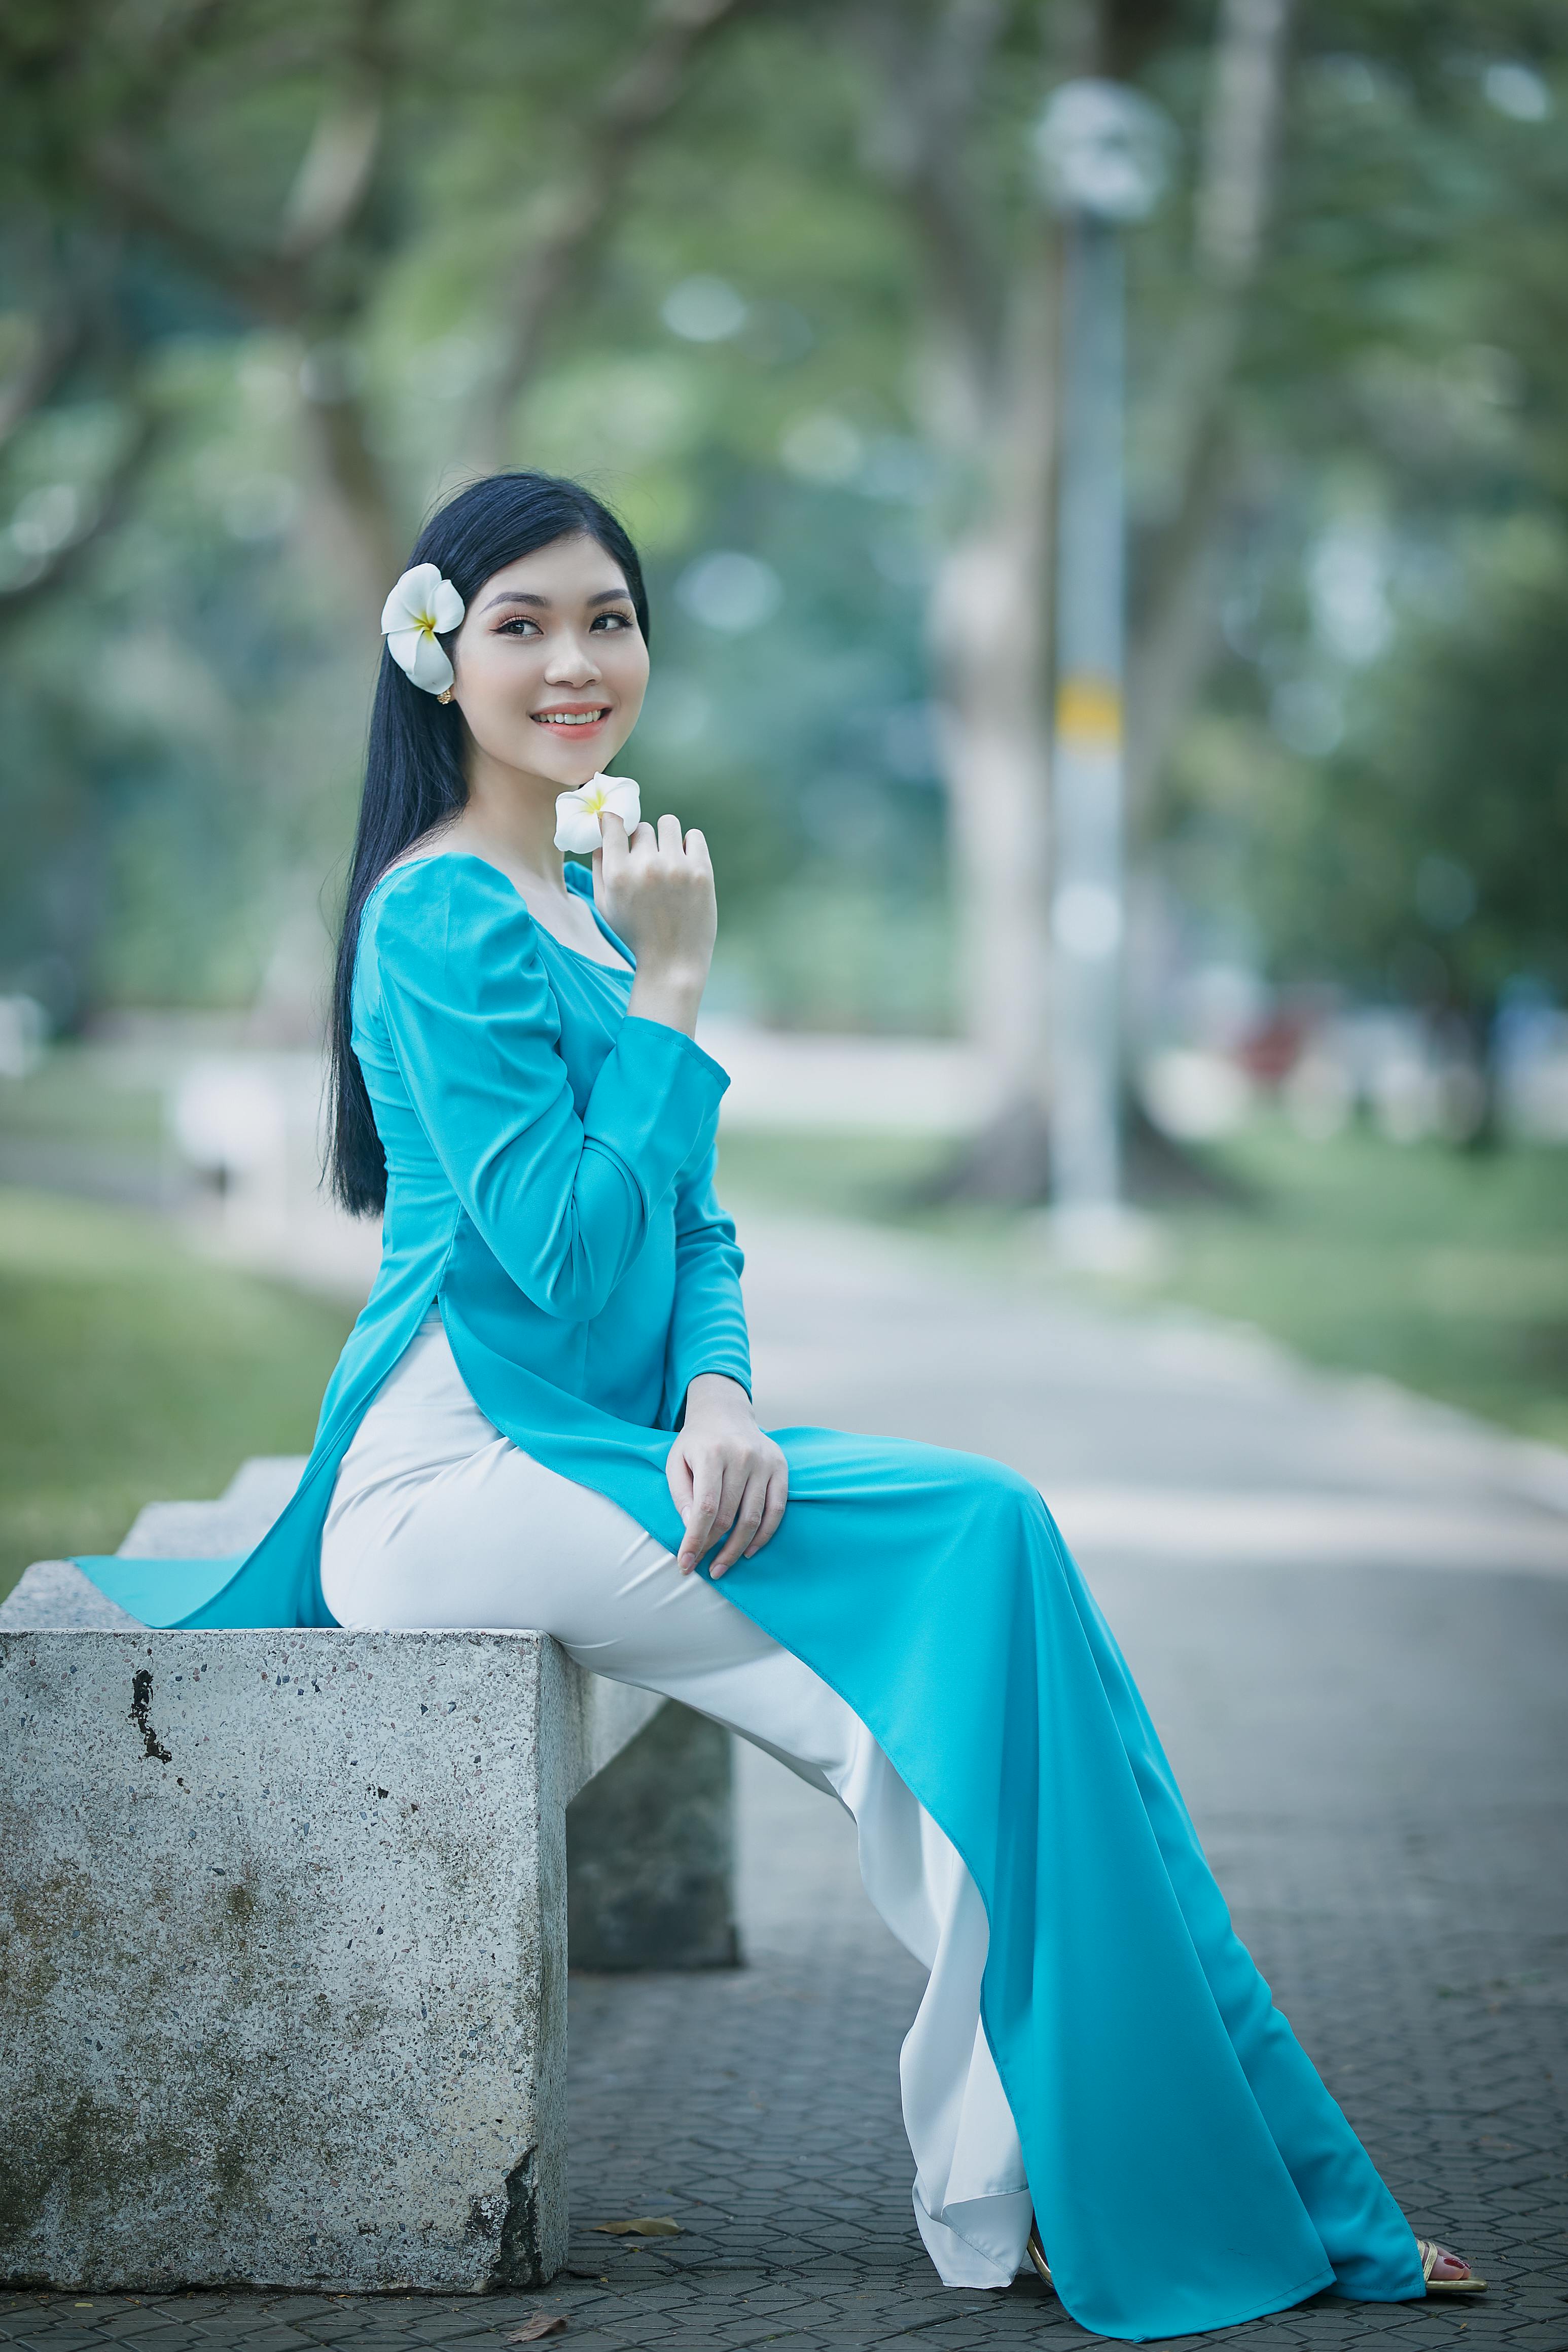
(725, 1475)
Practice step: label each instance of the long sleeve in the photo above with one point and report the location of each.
(708, 1327)
(563, 1201)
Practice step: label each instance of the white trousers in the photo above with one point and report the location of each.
(438, 1520)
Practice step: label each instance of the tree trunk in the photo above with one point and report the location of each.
(351, 514)
(990, 408)
(989, 628)
(1173, 640)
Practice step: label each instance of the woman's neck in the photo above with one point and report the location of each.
(511, 818)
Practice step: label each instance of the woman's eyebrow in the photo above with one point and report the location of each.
(525, 596)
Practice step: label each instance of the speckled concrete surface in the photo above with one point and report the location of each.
(285, 1932)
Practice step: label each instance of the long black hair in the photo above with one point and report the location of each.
(413, 760)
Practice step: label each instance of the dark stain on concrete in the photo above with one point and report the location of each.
(76, 2155)
(520, 2257)
(39, 1919)
(141, 1700)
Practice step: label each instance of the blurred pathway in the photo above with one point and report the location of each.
(1161, 1434)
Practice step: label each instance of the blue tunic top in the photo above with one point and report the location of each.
(549, 1169)
(550, 1183)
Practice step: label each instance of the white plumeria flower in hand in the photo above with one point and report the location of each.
(421, 604)
(577, 827)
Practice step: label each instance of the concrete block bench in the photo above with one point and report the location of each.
(285, 1933)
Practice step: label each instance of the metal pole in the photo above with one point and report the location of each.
(1087, 913)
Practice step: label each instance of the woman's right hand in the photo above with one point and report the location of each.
(657, 891)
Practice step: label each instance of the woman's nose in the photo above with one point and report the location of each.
(571, 664)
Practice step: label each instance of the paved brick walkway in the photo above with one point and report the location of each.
(1376, 1761)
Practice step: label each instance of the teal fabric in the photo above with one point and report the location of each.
(551, 1185)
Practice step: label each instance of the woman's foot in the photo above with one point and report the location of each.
(1445, 2273)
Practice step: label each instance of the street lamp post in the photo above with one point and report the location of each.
(1101, 154)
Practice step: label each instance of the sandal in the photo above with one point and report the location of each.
(1431, 2255)
(1037, 2254)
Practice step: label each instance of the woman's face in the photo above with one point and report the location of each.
(549, 666)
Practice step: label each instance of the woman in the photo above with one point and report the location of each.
(542, 1419)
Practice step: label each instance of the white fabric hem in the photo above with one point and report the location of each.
(979, 2243)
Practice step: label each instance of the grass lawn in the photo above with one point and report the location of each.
(1446, 1271)
(132, 1370)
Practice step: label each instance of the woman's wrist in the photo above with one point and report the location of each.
(670, 998)
(713, 1396)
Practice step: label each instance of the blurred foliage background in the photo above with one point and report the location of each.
(273, 275)
(277, 275)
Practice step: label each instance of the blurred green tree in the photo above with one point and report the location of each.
(1378, 768)
(272, 276)
(956, 86)
(187, 185)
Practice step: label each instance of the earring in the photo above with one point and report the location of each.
(445, 695)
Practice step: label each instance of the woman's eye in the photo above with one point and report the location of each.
(519, 622)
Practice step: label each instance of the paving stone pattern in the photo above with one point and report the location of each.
(1376, 1761)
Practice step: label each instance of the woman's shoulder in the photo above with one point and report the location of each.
(442, 914)
(440, 885)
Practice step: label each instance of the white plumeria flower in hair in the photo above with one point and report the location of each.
(577, 814)
(421, 604)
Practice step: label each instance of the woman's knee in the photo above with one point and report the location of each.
(1005, 1490)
